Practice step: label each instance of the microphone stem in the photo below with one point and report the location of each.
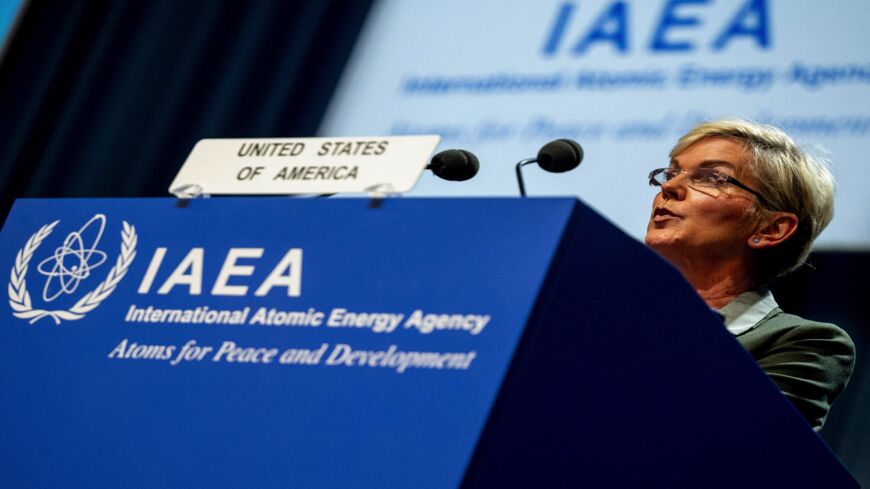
(520, 174)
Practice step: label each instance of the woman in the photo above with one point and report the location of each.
(741, 204)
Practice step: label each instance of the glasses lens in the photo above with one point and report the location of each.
(658, 177)
(707, 176)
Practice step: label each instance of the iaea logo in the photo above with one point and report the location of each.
(67, 267)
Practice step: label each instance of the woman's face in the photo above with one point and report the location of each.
(702, 221)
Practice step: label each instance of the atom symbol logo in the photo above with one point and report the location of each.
(70, 263)
(73, 261)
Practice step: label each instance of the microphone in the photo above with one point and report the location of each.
(560, 156)
(455, 165)
(556, 156)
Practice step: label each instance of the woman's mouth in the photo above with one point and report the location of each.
(660, 214)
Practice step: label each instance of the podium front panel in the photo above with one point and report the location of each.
(266, 342)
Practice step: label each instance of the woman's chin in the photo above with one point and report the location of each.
(660, 239)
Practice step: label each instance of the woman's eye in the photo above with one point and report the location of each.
(710, 177)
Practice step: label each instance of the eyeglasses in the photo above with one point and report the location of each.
(702, 177)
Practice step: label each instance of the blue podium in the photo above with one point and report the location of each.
(275, 342)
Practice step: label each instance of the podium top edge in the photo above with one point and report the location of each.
(306, 197)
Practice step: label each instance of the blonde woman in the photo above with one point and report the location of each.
(740, 204)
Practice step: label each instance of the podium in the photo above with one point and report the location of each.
(275, 342)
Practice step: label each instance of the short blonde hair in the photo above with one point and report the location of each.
(790, 179)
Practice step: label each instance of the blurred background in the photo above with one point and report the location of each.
(106, 99)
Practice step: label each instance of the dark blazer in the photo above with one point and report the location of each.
(810, 362)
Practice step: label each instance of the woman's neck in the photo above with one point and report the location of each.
(718, 294)
(717, 282)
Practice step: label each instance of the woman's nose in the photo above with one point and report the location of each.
(675, 188)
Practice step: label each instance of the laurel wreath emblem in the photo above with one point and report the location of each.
(19, 297)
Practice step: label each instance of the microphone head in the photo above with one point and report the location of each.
(560, 155)
(455, 165)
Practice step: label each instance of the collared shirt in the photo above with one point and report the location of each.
(747, 309)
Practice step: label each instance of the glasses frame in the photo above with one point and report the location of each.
(724, 179)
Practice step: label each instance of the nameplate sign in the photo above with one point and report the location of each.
(277, 166)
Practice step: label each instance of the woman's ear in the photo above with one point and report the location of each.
(773, 230)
